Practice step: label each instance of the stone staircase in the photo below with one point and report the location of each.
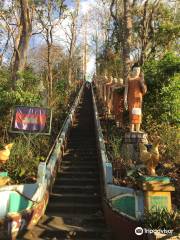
(74, 210)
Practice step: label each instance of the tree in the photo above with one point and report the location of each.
(73, 38)
(161, 103)
(50, 15)
(154, 30)
(10, 27)
(101, 36)
(127, 37)
(25, 32)
(123, 33)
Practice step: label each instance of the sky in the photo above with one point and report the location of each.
(84, 8)
(60, 36)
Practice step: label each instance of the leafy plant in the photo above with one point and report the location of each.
(116, 146)
(25, 157)
(162, 100)
(169, 135)
(158, 218)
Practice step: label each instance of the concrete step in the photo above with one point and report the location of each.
(74, 210)
(79, 168)
(85, 158)
(84, 143)
(90, 189)
(65, 207)
(79, 163)
(80, 160)
(76, 198)
(71, 174)
(50, 233)
(76, 181)
(82, 154)
(82, 148)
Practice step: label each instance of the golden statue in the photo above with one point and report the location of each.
(150, 158)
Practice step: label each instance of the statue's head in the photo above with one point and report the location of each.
(115, 80)
(111, 78)
(136, 70)
(120, 81)
(105, 78)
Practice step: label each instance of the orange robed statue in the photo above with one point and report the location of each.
(136, 89)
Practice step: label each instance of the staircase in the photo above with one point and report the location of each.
(74, 210)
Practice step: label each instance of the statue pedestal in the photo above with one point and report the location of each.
(130, 147)
(135, 137)
(157, 192)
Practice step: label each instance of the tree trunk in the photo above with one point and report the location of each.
(97, 48)
(70, 61)
(50, 77)
(16, 44)
(73, 41)
(127, 32)
(144, 34)
(21, 51)
(85, 49)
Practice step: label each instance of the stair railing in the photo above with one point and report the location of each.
(47, 170)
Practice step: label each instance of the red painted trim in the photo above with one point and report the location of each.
(122, 227)
(15, 223)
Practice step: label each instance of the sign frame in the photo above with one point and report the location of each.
(48, 133)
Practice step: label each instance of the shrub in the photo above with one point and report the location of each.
(162, 100)
(161, 219)
(170, 135)
(25, 156)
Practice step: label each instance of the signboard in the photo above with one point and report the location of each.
(31, 120)
(158, 202)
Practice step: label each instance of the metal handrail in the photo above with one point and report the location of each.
(64, 123)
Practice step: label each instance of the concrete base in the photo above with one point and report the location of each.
(130, 151)
(157, 192)
(135, 137)
(130, 146)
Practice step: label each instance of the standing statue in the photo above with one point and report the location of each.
(136, 89)
(150, 158)
(104, 87)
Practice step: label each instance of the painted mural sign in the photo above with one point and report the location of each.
(159, 201)
(31, 120)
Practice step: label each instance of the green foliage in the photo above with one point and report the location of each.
(30, 80)
(171, 100)
(25, 156)
(62, 87)
(162, 100)
(4, 78)
(28, 150)
(169, 135)
(161, 219)
(167, 33)
(12, 98)
(109, 62)
(114, 142)
(25, 94)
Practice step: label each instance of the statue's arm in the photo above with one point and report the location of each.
(143, 86)
(125, 97)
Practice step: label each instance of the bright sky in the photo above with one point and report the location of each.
(60, 34)
(85, 6)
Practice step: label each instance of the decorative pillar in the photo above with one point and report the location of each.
(4, 179)
(157, 192)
